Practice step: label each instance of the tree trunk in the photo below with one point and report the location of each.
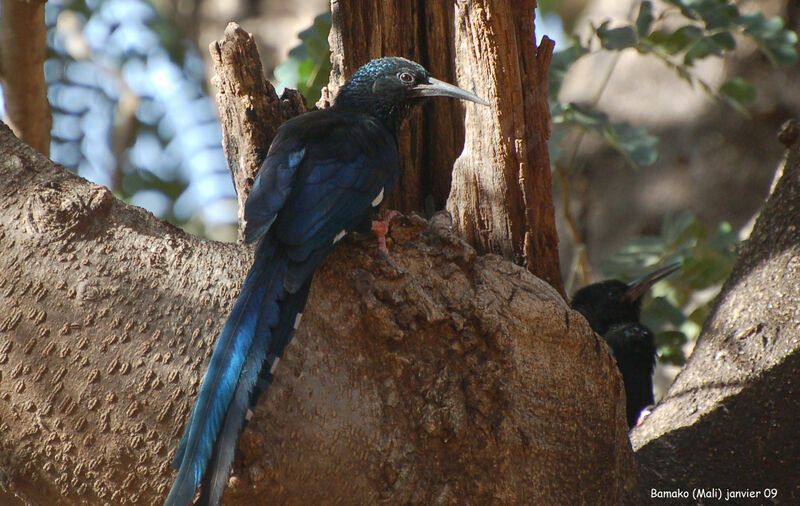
(450, 377)
(730, 421)
(23, 47)
(499, 192)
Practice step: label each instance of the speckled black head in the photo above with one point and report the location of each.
(613, 302)
(388, 87)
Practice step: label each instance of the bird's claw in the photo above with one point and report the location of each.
(380, 228)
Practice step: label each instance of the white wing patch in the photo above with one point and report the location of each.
(339, 236)
(378, 199)
(297, 320)
(296, 157)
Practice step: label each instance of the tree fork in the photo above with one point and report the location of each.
(499, 192)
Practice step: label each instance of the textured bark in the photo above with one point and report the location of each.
(508, 209)
(250, 110)
(449, 377)
(501, 197)
(23, 48)
(730, 420)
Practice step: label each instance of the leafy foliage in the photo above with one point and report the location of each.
(634, 143)
(697, 30)
(681, 303)
(309, 64)
(708, 28)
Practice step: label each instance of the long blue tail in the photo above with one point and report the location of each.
(216, 478)
(256, 322)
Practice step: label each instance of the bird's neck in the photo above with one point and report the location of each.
(390, 114)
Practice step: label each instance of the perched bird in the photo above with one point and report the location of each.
(325, 173)
(612, 309)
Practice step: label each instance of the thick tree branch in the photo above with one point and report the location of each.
(23, 46)
(451, 377)
(730, 419)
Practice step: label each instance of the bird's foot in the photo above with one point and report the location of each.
(381, 227)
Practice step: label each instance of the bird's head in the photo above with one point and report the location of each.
(388, 88)
(613, 302)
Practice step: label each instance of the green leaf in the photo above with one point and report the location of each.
(706, 268)
(677, 41)
(616, 39)
(778, 45)
(700, 315)
(635, 143)
(644, 19)
(699, 50)
(546, 6)
(724, 41)
(309, 64)
(739, 89)
(724, 240)
(589, 118)
(675, 226)
(686, 7)
(717, 15)
(757, 25)
(670, 346)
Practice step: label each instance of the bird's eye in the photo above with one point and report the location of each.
(405, 77)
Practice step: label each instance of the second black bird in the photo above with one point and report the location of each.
(612, 309)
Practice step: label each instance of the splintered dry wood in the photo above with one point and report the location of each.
(500, 197)
(249, 108)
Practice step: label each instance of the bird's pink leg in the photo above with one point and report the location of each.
(381, 227)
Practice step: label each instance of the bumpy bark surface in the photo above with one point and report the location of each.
(730, 420)
(450, 377)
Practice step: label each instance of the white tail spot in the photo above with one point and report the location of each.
(274, 365)
(248, 415)
(378, 199)
(339, 236)
(297, 320)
